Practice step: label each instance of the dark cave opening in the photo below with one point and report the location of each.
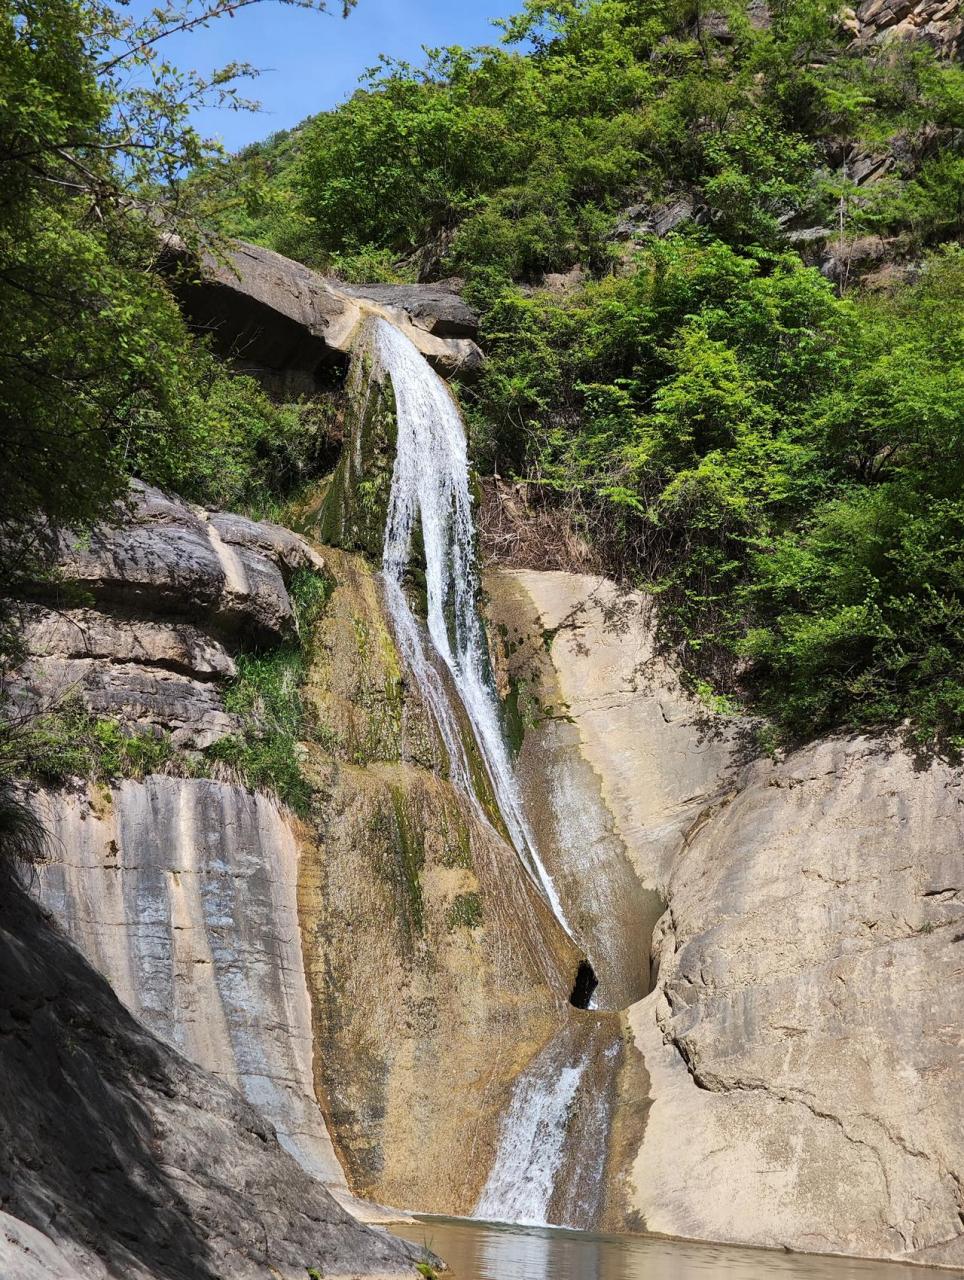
(585, 984)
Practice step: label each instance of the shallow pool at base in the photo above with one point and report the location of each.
(483, 1251)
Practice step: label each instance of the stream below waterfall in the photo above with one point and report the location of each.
(483, 1251)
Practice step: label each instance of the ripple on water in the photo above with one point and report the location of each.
(481, 1251)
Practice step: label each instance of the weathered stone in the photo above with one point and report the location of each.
(162, 556)
(661, 757)
(287, 550)
(435, 967)
(366, 709)
(87, 633)
(612, 911)
(657, 219)
(431, 307)
(183, 893)
(436, 972)
(274, 316)
(118, 1157)
(805, 1016)
(143, 699)
(802, 1040)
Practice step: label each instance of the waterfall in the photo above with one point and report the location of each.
(550, 1164)
(430, 485)
(523, 1176)
(554, 1133)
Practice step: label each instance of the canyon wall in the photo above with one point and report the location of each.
(802, 1040)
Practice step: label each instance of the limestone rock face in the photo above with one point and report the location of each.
(806, 1015)
(183, 893)
(163, 556)
(119, 1157)
(174, 590)
(176, 646)
(287, 324)
(802, 1040)
(435, 968)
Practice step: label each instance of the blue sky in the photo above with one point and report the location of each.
(311, 61)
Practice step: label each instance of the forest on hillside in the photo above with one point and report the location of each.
(717, 252)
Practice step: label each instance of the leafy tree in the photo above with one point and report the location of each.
(98, 373)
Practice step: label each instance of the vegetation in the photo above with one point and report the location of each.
(465, 912)
(68, 741)
(266, 696)
(99, 377)
(774, 451)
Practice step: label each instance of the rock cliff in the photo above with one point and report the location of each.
(802, 1039)
(120, 1158)
(361, 1001)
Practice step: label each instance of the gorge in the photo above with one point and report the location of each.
(481, 625)
(541, 969)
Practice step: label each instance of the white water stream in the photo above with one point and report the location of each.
(430, 491)
(430, 486)
(531, 1147)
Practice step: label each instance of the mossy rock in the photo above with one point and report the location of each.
(353, 512)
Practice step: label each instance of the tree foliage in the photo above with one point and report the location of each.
(780, 463)
(99, 377)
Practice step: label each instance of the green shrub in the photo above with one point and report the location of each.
(465, 912)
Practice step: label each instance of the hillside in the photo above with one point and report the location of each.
(718, 258)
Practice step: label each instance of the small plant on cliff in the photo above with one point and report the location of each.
(266, 696)
(465, 912)
(68, 741)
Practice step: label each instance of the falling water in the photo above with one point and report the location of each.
(533, 1139)
(430, 484)
(557, 1120)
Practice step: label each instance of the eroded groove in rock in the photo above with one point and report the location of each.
(183, 893)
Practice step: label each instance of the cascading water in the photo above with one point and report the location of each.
(545, 1129)
(531, 1147)
(430, 484)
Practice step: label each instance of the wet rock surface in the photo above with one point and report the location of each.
(435, 971)
(118, 1157)
(183, 894)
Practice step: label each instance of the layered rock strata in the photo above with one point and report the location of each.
(285, 323)
(143, 617)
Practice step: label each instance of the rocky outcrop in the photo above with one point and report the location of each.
(938, 22)
(119, 1157)
(283, 322)
(169, 591)
(435, 968)
(806, 1016)
(802, 1037)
